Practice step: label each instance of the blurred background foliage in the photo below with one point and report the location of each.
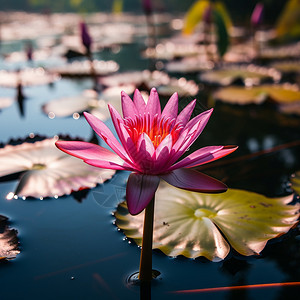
(240, 10)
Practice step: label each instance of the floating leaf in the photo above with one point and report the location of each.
(189, 65)
(164, 84)
(9, 245)
(193, 224)
(84, 68)
(171, 50)
(240, 95)
(281, 94)
(69, 106)
(138, 78)
(249, 74)
(5, 102)
(296, 182)
(287, 66)
(47, 171)
(290, 108)
(90, 101)
(26, 77)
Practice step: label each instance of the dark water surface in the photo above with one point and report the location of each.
(70, 249)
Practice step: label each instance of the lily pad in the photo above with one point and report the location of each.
(90, 101)
(83, 68)
(26, 77)
(189, 65)
(281, 94)
(250, 75)
(296, 182)
(5, 102)
(138, 78)
(290, 108)
(46, 171)
(195, 224)
(145, 80)
(9, 245)
(287, 66)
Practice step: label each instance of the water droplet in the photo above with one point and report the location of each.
(10, 196)
(76, 116)
(51, 115)
(72, 277)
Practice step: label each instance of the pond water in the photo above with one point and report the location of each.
(70, 248)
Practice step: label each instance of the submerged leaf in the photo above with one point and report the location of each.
(193, 224)
(47, 171)
(9, 245)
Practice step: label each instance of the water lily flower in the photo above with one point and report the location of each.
(152, 141)
(85, 36)
(257, 14)
(147, 6)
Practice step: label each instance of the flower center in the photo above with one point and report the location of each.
(157, 128)
(203, 212)
(38, 167)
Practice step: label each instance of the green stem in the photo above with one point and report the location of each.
(145, 274)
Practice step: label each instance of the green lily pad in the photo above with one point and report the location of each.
(249, 74)
(9, 245)
(279, 93)
(296, 182)
(287, 66)
(195, 224)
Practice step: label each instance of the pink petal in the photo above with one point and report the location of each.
(184, 141)
(102, 130)
(162, 153)
(130, 147)
(139, 102)
(108, 165)
(194, 181)
(202, 119)
(91, 152)
(194, 128)
(128, 106)
(203, 155)
(153, 104)
(145, 144)
(171, 108)
(197, 158)
(186, 113)
(146, 151)
(116, 118)
(140, 190)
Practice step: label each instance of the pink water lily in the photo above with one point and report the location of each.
(151, 142)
